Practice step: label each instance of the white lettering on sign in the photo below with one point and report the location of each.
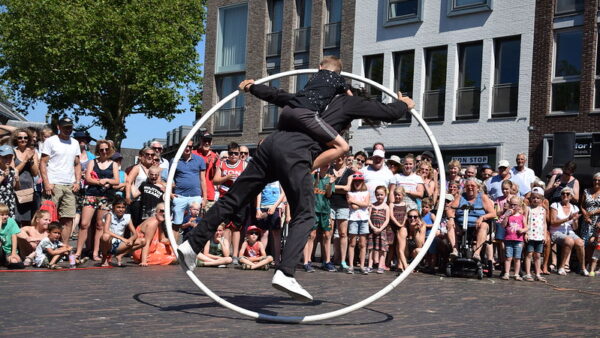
(471, 159)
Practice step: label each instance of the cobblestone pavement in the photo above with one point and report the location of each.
(162, 301)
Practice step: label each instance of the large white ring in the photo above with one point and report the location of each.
(327, 315)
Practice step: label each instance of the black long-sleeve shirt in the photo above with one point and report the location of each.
(320, 89)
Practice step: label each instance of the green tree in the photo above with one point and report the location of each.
(106, 59)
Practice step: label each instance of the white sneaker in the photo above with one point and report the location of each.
(187, 256)
(290, 286)
(585, 272)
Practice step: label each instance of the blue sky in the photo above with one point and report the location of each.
(140, 128)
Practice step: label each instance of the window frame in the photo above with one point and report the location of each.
(563, 79)
(567, 13)
(428, 80)
(497, 84)
(368, 71)
(462, 55)
(389, 21)
(396, 58)
(454, 10)
(238, 103)
(219, 45)
(596, 109)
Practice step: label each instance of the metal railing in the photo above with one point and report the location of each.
(332, 34)
(434, 105)
(505, 99)
(301, 39)
(467, 106)
(270, 117)
(229, 119)
(274, 44)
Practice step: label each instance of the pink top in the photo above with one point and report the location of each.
(515, 223)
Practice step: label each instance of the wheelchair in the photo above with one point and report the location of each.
(464, 265)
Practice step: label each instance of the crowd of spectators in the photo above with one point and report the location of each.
(372, 214)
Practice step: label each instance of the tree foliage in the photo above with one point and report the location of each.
(102, 58)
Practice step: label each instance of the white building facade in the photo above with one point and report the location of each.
(467, 65)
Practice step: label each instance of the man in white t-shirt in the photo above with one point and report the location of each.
(412, 183)
(60, 170)
(377, 173)
(526, 175)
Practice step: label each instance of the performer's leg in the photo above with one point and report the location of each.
(298, 187)
(247, 186)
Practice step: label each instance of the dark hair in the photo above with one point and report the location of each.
(361, 153)
(378, 143)
(570, 166)
(118, 200)
(232, 145)
(54, 225)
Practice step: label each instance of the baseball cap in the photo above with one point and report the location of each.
(358, 176)
(116, 156)
(503, 163)
(82, 135)
(449, 198)
(427, 153)
(254, 228)
(486, 166)
(206, 136)
(537, 190)
(395, 159)
(379, 153)
(6, 150)
(65, 121)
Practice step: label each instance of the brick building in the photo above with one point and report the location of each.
(467, 65)
(252, 39)
(565, 81)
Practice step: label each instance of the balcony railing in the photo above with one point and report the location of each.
(434, 105)
(270, 117)
(274, 44)
(302, 39)
(332, 34)
(407, 117)
(467, 103)
(505, 100)
(229, 120)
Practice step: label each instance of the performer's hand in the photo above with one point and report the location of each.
(409, 102)
(246, 84)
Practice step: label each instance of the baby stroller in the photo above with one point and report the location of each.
(464, 265)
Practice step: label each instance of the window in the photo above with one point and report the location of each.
(597, 91)
(469, 80)
(568, 45)
(566, 7)
(404, 67)
(459, 7)
(403, 11)
(332, 29)
(275, 27)
(231, 116)
(270, 115)
(231, 39)
(435, 83)
(303, 22)
(506, 76)
(374, 71)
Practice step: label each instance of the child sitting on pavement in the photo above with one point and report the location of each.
(191, 219)
(254, 255)
(302, 111)
(112, 241)
(9, 230)
(216, 251)
(51, 249)
(31, 236)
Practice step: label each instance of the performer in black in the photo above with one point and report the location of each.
(286, 156)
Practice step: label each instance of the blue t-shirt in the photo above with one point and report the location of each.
(187, 176)
(270, 194)
(494, 186)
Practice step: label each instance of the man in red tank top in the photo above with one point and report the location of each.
(212, 162)
(227, 172)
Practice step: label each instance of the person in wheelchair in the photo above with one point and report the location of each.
(481, 210)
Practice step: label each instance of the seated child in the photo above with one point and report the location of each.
(9, 230)
(303, 109)
(191, 219)
(254, 255)
(112, 241)
(30, 236)
(51, 249)
(216, 251)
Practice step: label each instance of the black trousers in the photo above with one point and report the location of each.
(306, 121)
(273, 161)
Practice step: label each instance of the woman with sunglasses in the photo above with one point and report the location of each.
(138, 175)
(101, 174)
(590, 209)
(563, 222)
(560, 181)
(27, 166)
(157, 248)
(416, 232)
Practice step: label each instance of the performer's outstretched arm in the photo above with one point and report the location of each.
(272, 95)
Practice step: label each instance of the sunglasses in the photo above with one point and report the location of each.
(22, 137)
(595, 180)
(234, 153)
(244, 152)
(565, 194)
(103, 150)
(148, 154)
(157, 148)
(361, 161)
(160, 211)
(514, 204)
(413, 217)
(189, 147)
(253, 233)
